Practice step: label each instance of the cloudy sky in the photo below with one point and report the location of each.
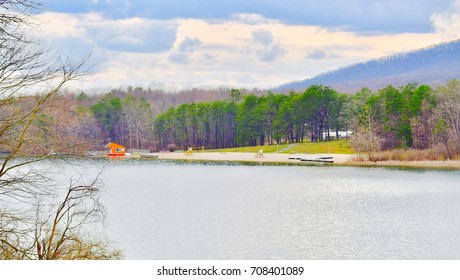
(239, 43)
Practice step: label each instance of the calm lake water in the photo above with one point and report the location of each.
(160, 210)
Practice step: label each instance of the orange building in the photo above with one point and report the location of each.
(115, 150)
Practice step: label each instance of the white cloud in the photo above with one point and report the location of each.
(183, 53)
(129, 35)
(271, 53)
(270, 49)
(189, 45)
(237, 52)
(251, 19)
(317, 54)
(447, 22)
(264, 37)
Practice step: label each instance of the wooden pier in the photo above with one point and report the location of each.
(324, 159)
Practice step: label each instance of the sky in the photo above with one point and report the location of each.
(174, 44)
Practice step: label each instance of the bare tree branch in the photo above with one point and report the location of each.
(26, 68)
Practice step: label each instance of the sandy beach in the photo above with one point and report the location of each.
(246, 157)
(273, 158)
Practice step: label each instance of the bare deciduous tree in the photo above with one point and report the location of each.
(449, 105)
(27, 68)
(59, 236)
(50, 231)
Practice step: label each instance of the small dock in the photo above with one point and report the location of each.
(305, 158)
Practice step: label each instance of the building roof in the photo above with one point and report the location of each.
(114, 145)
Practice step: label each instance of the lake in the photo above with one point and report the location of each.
(164, 210)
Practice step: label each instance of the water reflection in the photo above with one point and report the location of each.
(161, 210)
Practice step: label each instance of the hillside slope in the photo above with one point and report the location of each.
(434, 66)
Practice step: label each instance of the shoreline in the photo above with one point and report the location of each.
(425, 164)
(283, 159)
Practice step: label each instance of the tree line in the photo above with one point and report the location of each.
(407, 117)
(412, 116)
(251, 120)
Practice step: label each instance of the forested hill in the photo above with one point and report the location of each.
(433, 66)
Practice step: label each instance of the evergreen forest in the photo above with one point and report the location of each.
(408, 117)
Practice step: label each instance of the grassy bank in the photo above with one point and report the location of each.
(406, 159)
(333, 147)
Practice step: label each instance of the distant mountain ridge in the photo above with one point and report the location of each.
(433, 65)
